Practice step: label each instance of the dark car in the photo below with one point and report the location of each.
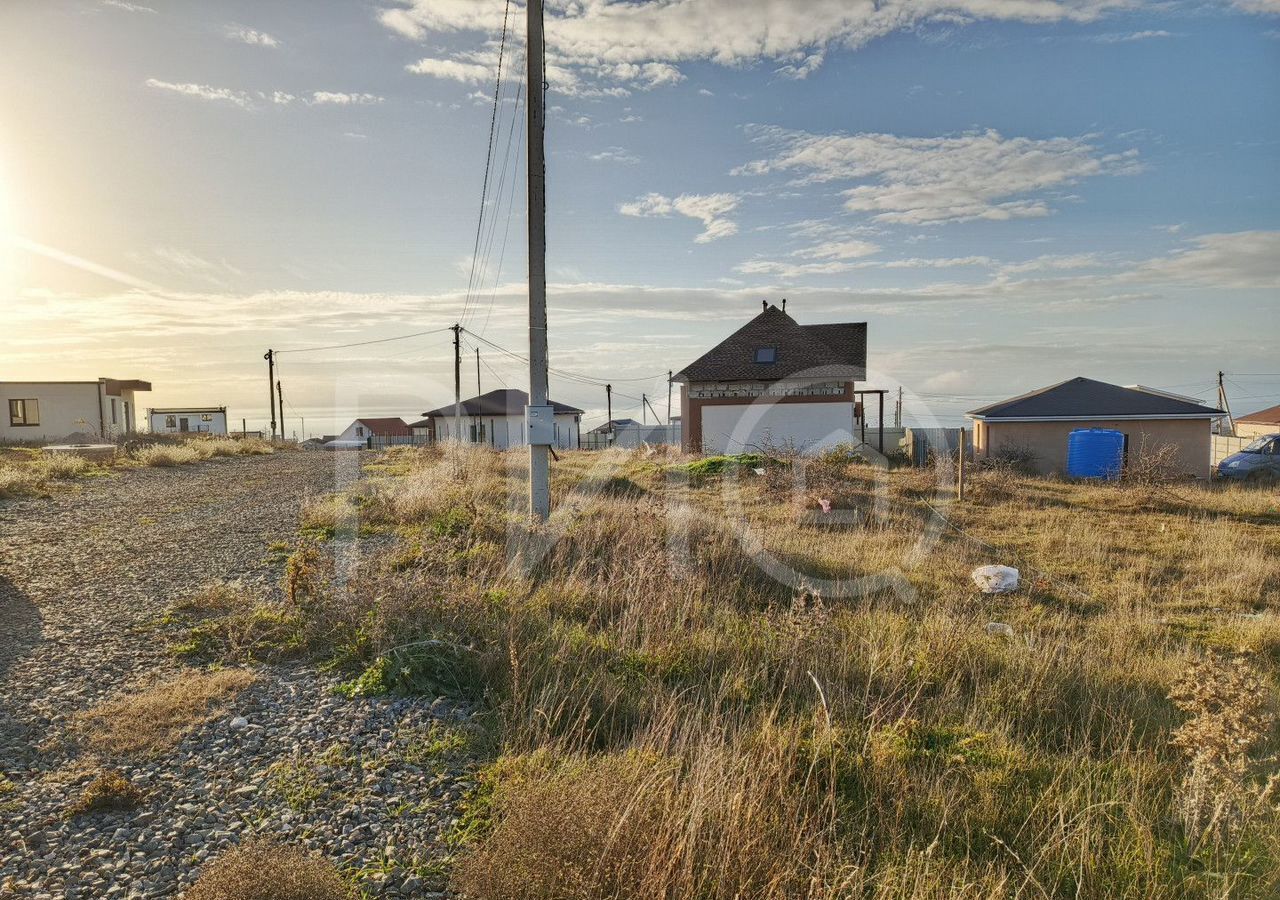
(1259, 461)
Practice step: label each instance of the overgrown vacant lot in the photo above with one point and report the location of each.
(26, 471)
(668, 720)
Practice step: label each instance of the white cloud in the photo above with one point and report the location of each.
(467, 73)
(246, 100)
(709, 209)
(846, 249)
(127, 7)
(1124, 38)
(956, 178)
(599, 39)
(323, 98)
(615, 155)
(1260, 7)
(252, 36)
(203, 92)
(1241, 259)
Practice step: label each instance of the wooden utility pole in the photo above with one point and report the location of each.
(478, 391)
(535, 79)
(960, 469)
(270, 357)
(457, 381)
(280, 396)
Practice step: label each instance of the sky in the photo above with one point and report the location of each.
(1009, 192)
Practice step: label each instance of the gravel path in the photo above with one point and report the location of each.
(84, 576)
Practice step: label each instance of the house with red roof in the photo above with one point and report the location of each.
(364, 428)
(1264, 421)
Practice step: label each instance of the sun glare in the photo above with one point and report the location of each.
(8, 247)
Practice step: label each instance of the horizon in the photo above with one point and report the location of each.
(1065, 188)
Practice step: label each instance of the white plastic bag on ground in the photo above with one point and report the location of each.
(995, 579)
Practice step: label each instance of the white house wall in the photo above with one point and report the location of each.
(195, 422)
(505, 432)
(744, 428)
(65, 409)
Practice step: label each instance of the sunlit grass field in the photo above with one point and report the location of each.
(701, 685)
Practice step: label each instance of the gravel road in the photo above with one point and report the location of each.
(84, 575)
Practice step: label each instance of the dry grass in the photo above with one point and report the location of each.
(110, 790)
(676, 723)
(266, 871)
(27, 474)
(167, 455)
(156, 718)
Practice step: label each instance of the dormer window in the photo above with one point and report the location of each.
(766, 355)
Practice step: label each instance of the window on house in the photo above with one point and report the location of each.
(766, 355)
(206, 417)
(170, 421)
(115, 411)
(359, 431)
(24, 412)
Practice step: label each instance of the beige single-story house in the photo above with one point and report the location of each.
(49, 411)
(774, 382)
(1041, 421)
(1264, 421)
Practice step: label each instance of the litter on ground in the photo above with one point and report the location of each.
(995, 579)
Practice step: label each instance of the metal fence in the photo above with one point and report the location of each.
(920, 443)
(632, 436)
(1221, 446)
(382, 442)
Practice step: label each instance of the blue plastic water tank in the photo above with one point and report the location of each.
(1095, 453)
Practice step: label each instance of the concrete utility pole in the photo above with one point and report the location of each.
(608, 404)
(280, 395)
(457, 381)
(1225, 406)
(644, 417)
(668, 399)
(535, 78)
(897, 410)
(478, 391)
(270, 357)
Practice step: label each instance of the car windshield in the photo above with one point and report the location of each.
(1258, 446)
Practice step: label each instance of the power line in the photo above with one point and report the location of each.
(511, 200)
(399, 337)
(488, 158)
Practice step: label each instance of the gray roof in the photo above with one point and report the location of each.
(502, 402)
(1084, 398)
(812, 351)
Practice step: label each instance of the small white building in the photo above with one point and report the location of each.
(496, 418)
(50, 411)
(184, 420)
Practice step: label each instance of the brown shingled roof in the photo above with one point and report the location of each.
(386, 427)
(1268, 416)
(819, 351)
